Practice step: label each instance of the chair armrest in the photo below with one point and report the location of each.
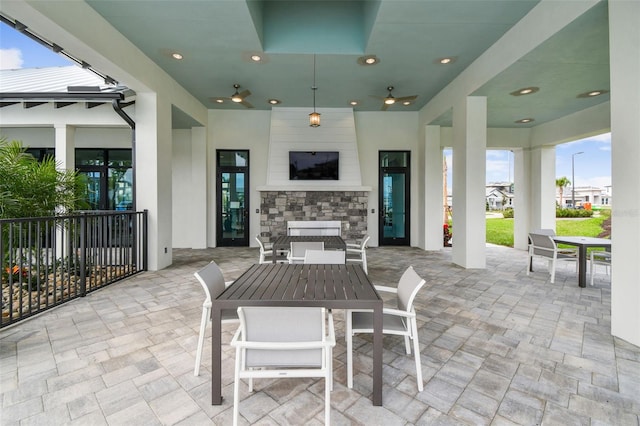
(386, 289)
(236, 336)
(354, 245)
(398, 312)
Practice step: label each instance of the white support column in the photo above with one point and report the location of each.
(153, 174)
(624, 51)
(522, 197)
(65, 143)
(199, 188)
(469, 176)
(433, 208)
(543, 188)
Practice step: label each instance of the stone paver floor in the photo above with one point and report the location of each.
(497, 347)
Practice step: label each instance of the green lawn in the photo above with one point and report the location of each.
(500, 231)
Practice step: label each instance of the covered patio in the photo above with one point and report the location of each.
(497, 347)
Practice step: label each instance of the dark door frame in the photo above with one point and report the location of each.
(406, 170)
(220, 240)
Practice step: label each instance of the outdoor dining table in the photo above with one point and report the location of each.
(583, 243)
(329, 286)
(331, 242)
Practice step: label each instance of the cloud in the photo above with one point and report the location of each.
(10, 59)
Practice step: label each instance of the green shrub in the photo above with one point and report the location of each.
(507, 213)
(29, 188)
(573, 213)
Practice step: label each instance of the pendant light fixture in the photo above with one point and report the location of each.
(314, 117)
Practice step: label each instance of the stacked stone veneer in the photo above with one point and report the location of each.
(279, 207)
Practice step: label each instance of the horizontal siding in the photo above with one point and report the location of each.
(290, 131)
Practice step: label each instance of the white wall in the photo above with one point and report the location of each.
(382, 131)
(44, 137)
(239, 130)
(250, 130)
(181, 184)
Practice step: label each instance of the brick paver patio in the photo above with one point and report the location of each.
(498, 347)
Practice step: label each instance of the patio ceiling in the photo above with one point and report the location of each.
(217, 38)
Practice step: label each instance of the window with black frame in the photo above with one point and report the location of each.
(108, 177)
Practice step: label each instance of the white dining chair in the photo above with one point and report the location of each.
(400, 321)
(299, 248)
(543, 246)
(266, 250)
(599, 257)
(357, 252)
(327, 257)
(284, 342)
(213, 284)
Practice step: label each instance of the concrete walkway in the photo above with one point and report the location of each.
(497, 347)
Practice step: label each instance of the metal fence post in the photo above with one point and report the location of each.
(145, 249)
(83, 255)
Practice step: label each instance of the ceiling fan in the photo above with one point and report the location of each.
(390, 99)
(237, 97)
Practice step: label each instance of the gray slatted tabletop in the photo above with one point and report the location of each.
(330, 286)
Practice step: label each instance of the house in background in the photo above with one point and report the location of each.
(499, 195)
(510, 85)
(585, 194)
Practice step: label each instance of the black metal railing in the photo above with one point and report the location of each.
(47, 261)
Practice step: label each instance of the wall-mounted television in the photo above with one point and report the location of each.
(313, 165)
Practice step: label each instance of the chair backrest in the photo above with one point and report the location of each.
(278, 325)
(212, 280)
(545, 231)
(261, 242)
(408, 286)
(365, 240)
(298, 248)
(327, 257)
(543, 245)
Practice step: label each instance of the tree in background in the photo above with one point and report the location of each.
(32, 188)
(562, 183)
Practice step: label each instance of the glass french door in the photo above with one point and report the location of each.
(394, 198)
(232, 184)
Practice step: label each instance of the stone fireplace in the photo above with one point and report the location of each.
(283, 200)
(279, 207)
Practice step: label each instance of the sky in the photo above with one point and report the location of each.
(591, 168)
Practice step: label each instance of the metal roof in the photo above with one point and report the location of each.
(51, 79)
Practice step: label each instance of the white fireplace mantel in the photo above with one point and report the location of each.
(304, 188)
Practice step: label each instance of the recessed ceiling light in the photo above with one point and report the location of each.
(354, 103)
(176, 55)
(405, 103)
(273, 101)
(256, 58)
(446, 60)
(219, 100)
(525, 91)
(368, 60)
(524, 120)
(592, 93)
